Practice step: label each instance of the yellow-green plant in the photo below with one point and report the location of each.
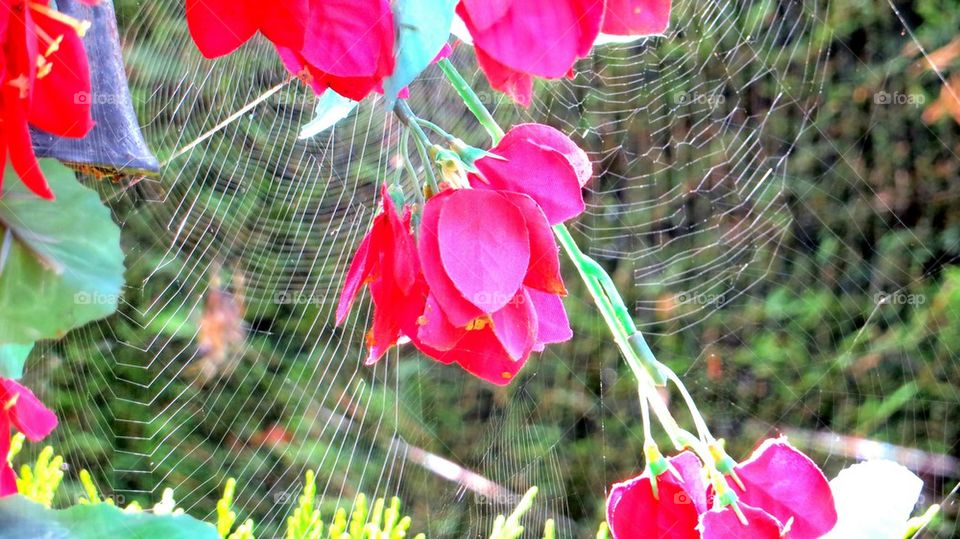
(39, 481)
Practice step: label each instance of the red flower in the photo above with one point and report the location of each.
(518, 40)
(491, 263)
(46, 83)
(784, 491)
(539, 161)
(348, 47)
(20, 408)
(219, 27)
(386, 261)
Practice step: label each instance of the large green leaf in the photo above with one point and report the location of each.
(20, 517)
(12, 358)
(60, 262)
(423, 27)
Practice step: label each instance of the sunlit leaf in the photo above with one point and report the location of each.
(423, 28)
(331, 108)
(12, 358)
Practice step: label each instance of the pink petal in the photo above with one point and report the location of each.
(590, 18)
(481, 354)
(724, 524)
(516, 84)
(8, 481)
(634, 513)
(544, 271)
(436, 331)
(785, 483)
(515, 326)
(219, 27)
(458, 310)
(691, 472)
(552, 323)
(636, 17)
(347, 38)
(484, 13)
(534, 169)
(484, 247)
(27, 414)
(551, 138)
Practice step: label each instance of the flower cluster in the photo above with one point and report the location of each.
(46, 83)
(349, 45)
(21, 409)
(478, 283)
(777, 492)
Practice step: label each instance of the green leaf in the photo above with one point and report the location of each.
(423, 28)
(12, 358)
(20, 517)
(331, 108)
(60, 261)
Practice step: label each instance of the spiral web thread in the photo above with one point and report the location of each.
(692, 135)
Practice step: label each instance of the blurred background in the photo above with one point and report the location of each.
(776, 195)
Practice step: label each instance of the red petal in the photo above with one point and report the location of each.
(636, 17)
(283, 23)
(484, 247)
(785, 483)
(22, 158)
(393, 310)
(535, 169)
(634, 513)
(360, 268)
(590, 18)
(539, 37)
(458, 310)
(61, 99)
(516, 84)
(480, 354)
(346, 38)
(484, 13)
(515, 326)
(219, 27)
(549, 138)
(8, 481)
(27, 414)
(552, 323)
(544, 271)
(724, 524)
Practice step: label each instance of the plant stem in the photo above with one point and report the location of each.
(409, 119)
(471, 100)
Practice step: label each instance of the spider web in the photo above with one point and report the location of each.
(224, 359)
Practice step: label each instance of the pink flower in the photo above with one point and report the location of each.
(783, 491)
(539, 161)
(21, 409)
(516, 41)
(219, 27)
(491, 263)
(386, 262)
(348, 47)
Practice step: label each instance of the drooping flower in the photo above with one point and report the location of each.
(219, 27)
(45, 83)
(386, 262)
(348, 47)
(21, 409)
(539, 161)
(874, 500)
(783, 491)
(516, 41)
(492, 267)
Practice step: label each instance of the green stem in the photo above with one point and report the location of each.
(422, 141)
(471, 100)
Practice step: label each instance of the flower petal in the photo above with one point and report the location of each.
(544, 271)
(360, 268)
(785, 483)
(283, 23)
(515, 325)
(484, 247)
(552, 323)
(554, 139)
(219, 27)
(436, 331)
(8, 481)
(347, 38)
(516, 84)
(20, 147)
(459, 311)
(27, 413)
(633, 512)
(636, 17)
(688, 465)
(531, 167)
(724, 524)
(874, 499)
